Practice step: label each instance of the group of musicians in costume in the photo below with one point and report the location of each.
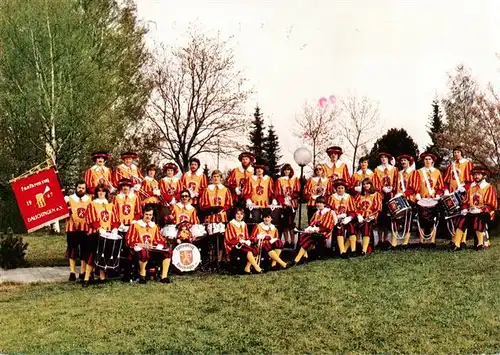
(342, 210)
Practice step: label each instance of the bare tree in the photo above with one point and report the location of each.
(359, 124)
(315, 127)
(198, 100)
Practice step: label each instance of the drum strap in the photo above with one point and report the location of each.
(427, 184)
(402, 179)
(455, 174)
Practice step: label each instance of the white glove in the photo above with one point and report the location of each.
(273, 240)
(114, 231)
(288, 201)
(437, 197)
(102, 230)
(418, 197)
(475, 210)
(315, 229)
(347, 220)
(398, 194)
(66, 199)
(274, 202)
(137, 187)
(159, 246)
(464, 212)
(112, 190)
(192, 193)
(446, 192)
(461, 188)
(137, 248)
(342, 215)
(249, 203)
(360, 218)
(156, 192)
(357, 189)
(387, 189)
(173, 202)
(261, 236)
(237, 190)
(309, 229)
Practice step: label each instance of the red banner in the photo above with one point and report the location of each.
(40, 199)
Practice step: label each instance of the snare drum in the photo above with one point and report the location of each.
(216, 228)
(186, 257)
(451, 203)
(398, 206)
(427, 208)
(169, 231)
(198, 231)
(109, 247)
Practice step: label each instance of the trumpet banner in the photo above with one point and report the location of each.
(40, 199)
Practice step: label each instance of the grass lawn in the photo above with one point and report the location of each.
(45, 250)
(424, 301)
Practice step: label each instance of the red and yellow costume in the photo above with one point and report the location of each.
(236, 231)
(458, 173)
(325, 221)
(270, 241)
(127, 207)
(404, 183)
(314, 188)
(143, 237)
(368, 206)
(335, 171)
(98, 175)
(131, 172)
(184, 213)
(480, 203)
(359, 176)
(170, 189)
(148, 186)
(76, 229)
(216, 195)
(343, 205)
(259, 189)
(237, 180)
(100, 215)
(386, 177)
(427, 182)
(196, 183)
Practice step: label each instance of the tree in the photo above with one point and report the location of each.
(315, 126)
(71, 80)
(206, 171)
(273, 152)
(359, 123)
(198, 100)
(396, 142)
(435, 130)
(257, 138)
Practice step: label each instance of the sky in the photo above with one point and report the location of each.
(397, 53)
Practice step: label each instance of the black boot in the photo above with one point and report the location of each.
(72, 276)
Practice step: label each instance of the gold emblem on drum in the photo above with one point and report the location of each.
(186, 257)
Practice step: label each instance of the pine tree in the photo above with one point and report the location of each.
(395, 142)
(435, 130)
(273, 152)
(257, 136)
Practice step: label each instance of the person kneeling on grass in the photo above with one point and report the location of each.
(320, 228)
(145, 239)
(268, 235)
(239, 244)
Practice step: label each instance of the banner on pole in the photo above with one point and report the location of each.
(40, 199)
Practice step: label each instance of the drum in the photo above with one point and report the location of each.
(109, 247)
(169, 231)
(198, 231)
(398, 206)
(186, 257)
(451, 204)
(427, 208)
(216, 228)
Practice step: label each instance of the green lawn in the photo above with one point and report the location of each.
(425, 301)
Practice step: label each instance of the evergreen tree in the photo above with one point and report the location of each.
(435, 130)
(273, 150)
(206, 171)
(395, 142)
(257, 136)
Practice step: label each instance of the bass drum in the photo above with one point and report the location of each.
(186, 257)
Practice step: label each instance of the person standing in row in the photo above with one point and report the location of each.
(239, 176)
(316, 186)
(335, 168)
(194, 181)
(170, 186)
(99, 174)
(128, 170)
(287, 191)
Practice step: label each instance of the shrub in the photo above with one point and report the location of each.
(12, 250)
